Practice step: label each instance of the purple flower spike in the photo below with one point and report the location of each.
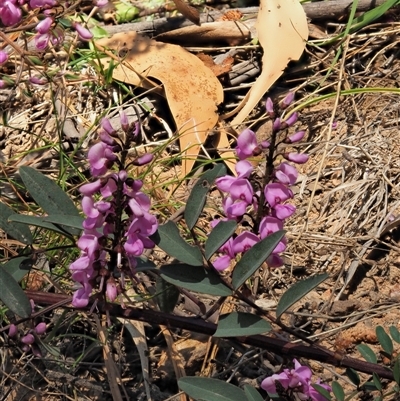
(83, 33)
(299, 158)
(296, 137)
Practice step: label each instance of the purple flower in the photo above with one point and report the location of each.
(299, 158)
(244, 241)
(314, 395)
(286, 174)
(81, 297)
(222, 262)
(283, 212)
(10, 14)
(101, 158)
(247, 145)
(277, 193)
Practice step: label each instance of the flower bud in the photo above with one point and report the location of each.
(12, 331)
(269, 107)
(111, 289)
(287, 100)
(296, 137)
(276, 126)
(44, 25)
(142, 160)
(40, 328)
(124, 121)
(3, 57)
(292, 119)
(83, 33)
(299, 158)
(28, 339)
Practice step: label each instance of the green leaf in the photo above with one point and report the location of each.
(353, 376)
(20, 232)
(377, 381)
(195, 278)
(12, 295)
(47, 194)
(322, 391)
(384, 339)
(167, 295)
(197, 197)
(338, 391)
(219, 235)
(237, 324)
(18, 267)
(252, 394)
(37, 222)
(367, 353)
(206, 389)
(395, 333)
(254, 258)
(169, 240)
(297, 291)
(65, 220)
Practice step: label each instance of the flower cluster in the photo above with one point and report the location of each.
(294, 381)
(269, 203)
(47, 29)
(118, 222)
(29, 340)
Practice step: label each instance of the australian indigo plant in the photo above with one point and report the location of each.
(118, 221)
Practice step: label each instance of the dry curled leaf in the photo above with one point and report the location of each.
(192, 90)
(282, 32)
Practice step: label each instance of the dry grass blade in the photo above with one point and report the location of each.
(136, 330)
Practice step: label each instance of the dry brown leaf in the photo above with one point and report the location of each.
(282, 32)
(230, 33)
(192, 90)
(217, 69)
(189, 12)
